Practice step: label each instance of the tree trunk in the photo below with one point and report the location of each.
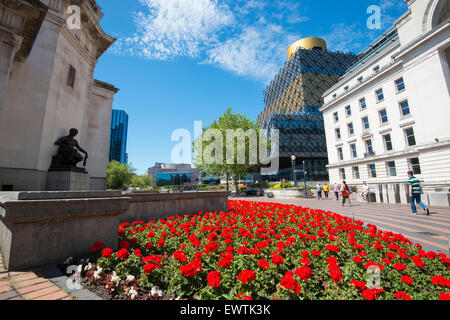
(236, 183)
(228, 180)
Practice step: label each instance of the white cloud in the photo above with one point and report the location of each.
(257, 52)
(345, 38)
(170, 28)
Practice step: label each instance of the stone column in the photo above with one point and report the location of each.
(8, 46)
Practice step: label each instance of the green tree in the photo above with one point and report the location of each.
(119, 175)
(142, 181)
(227, 140)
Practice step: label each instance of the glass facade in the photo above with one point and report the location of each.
(292, 102)
(118, 136)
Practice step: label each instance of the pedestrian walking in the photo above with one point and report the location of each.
(336, 191)
(345, 193)
(319, 191)
(415, 191)
(326, 190)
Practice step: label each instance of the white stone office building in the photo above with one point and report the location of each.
(390, 113)
(47, 87)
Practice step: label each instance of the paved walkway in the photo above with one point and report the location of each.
(44, 283)
(431, 232)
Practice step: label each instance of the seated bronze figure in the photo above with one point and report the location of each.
(68, 156)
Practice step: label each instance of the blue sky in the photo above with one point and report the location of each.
(178, 61)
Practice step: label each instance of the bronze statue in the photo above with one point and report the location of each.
(68, 156)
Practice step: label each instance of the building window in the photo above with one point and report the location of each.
(351, 131)
(392, 171)
(414, 165)
(340, 154)
(387, 142)
(362, 103)
(369, 146)
(383, 116)
(336, 117)
(346, 89)
(410, 138)
(353, 150)
(404, 108)
(372, 170)
(400, 84)
(338, 133)
(356, 175)
(334, 95)
(342, 174)
(379, 95)
(348, 111)
(71, 77)
(376, 69)
(365, 123)
(360, 80)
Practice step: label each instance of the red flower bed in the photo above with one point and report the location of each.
(269, 251)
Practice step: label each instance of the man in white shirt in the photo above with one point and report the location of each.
(366, 192)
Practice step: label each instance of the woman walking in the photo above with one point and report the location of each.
(345, 192)
(319, 191)
(326, 190)
(336, 191)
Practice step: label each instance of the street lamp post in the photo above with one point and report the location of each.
(304, 177)
(293, 157)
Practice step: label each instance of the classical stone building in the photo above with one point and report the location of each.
(390, 113)
(47, 87)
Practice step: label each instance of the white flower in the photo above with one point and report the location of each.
(154, 292)
(132, 293)
(88, 267)
(80, 268)
(130, 278)
(97, 273)
(115, 278)
(160, 293)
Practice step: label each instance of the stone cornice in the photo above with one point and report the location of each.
(23, 18)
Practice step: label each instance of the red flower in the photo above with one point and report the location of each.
(262, 263)
(359, 284)
(316, 253)
(289, 282)
(276, 260)
(192, 269)
(97, 246)
(357, 259)
(124, 244)
(123, 254)
(402, 295)
(213, 279)
(332, 248)
(444, 296)
(179, 255)
(369, 294)
(225, 262)
(107, 253)
(303, 272)
(407, 279)
(149, 267)
(246, 276)
(399, 266)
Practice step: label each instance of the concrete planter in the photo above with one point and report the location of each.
(41, 228)
(289, 193)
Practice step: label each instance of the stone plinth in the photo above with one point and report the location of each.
(288, 193)
(46, 228)
(68, 180)
(438, 199)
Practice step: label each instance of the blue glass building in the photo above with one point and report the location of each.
(292, 102)
(118, 136)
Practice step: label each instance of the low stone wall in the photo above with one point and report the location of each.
(287, 193)
(41, 228)
(149, 206)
